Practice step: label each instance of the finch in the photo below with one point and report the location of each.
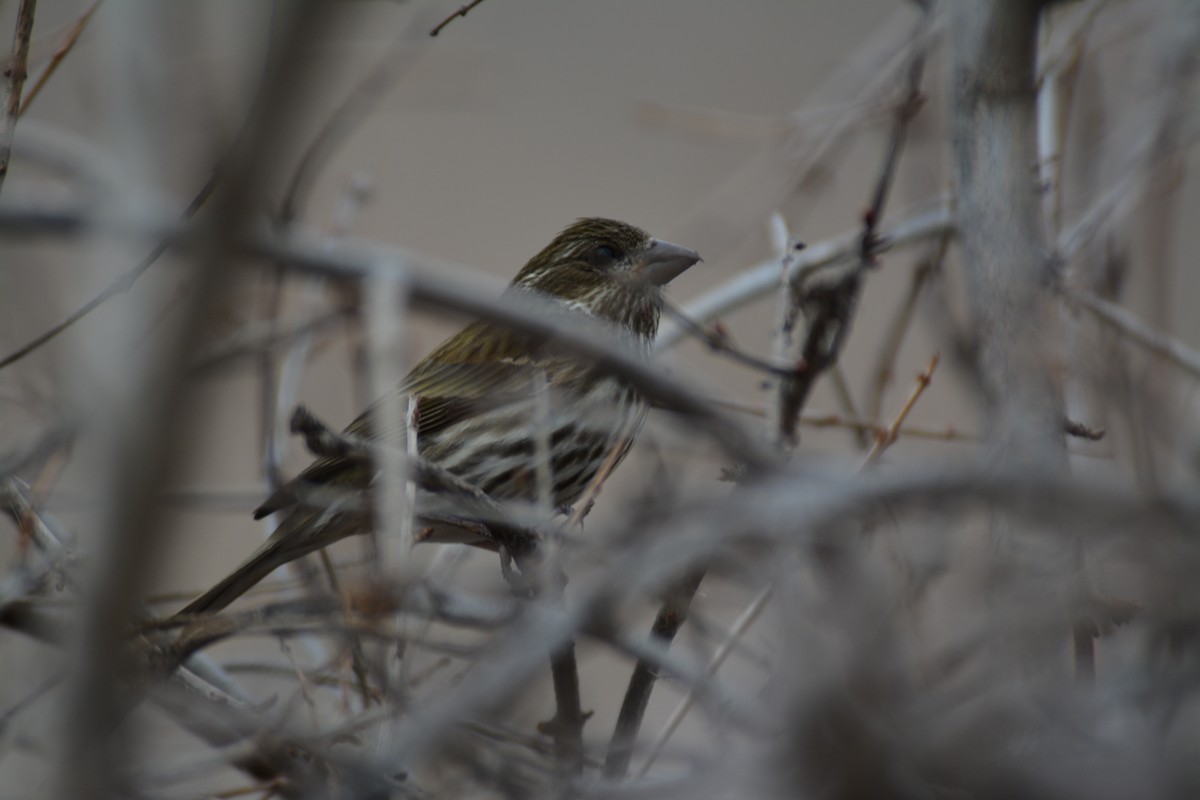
(476, 404)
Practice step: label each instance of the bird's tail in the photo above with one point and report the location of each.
(307, 529)
(296, 536)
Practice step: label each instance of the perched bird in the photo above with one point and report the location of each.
(477, 405)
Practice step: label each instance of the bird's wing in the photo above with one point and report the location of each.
(481, 367)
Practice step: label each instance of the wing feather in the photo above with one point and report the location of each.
(481, 367)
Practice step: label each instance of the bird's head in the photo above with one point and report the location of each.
(608, 269)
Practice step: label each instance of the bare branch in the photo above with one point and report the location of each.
(142, 440)
(719, 340)
(742, 624)
(894, 334)
(15, 74)
(1138, 332)
(1000, 227)
(667, 622)
(438, 285)
(759, 281)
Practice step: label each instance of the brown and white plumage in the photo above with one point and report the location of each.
(477, 417)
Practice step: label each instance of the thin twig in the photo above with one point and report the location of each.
(1116, 202)
(254, 338)
(56, 58)
(887, 437)
(122, 283)
(822, 419)
(35, 453)
(1163, 139)
(15, 498)
(667, 622)
(763, 279)
(742, 624)
(461, 12)
(816, 419)
(28, 699)
(905, 111)
(566, 727)
(893, 336)
(1128, 325)
(720, 341)
(829, 305)
(785, 321)
(347, 116)
(845, 398)
(14, 75)
(1057, 76)
(358, 661)
(860, 88)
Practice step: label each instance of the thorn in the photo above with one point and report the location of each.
(1082, 431)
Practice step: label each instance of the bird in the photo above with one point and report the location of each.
(477, 414)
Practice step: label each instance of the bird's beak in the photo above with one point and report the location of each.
(663, 261)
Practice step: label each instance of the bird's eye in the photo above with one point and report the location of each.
(603, 256)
